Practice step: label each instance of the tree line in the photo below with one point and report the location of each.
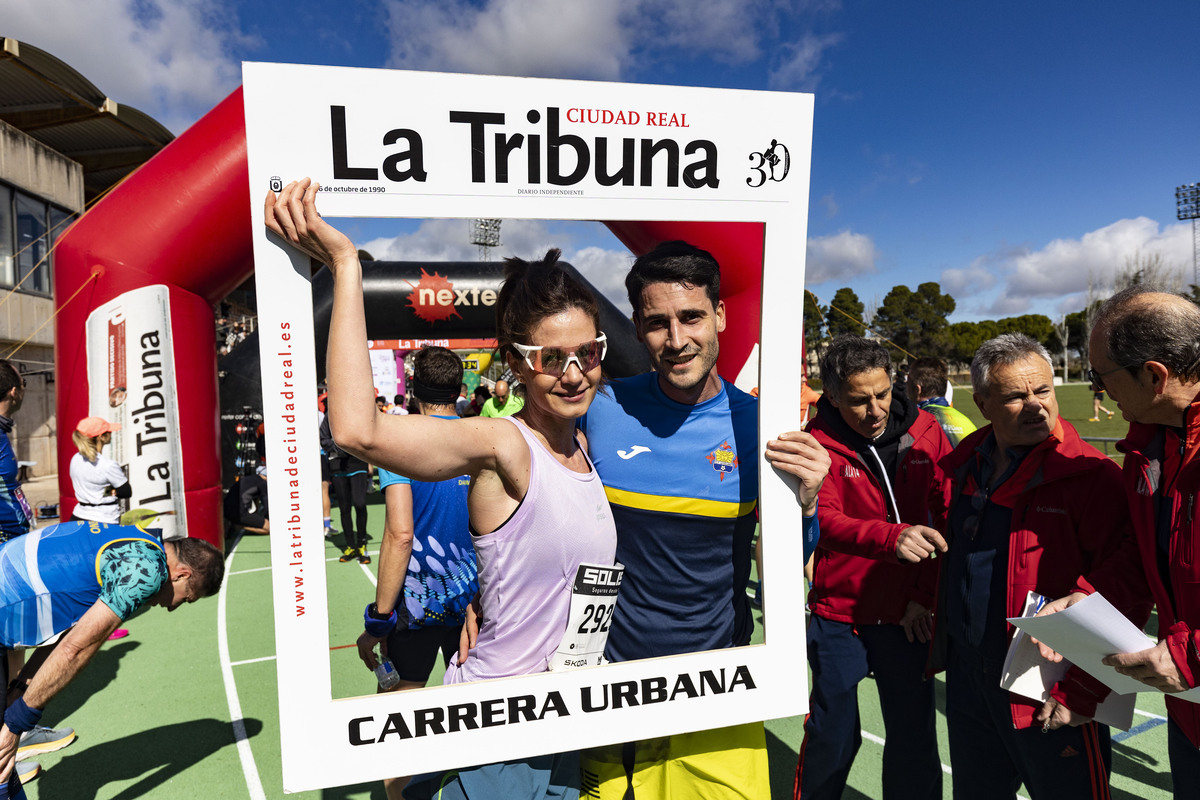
(916, 323)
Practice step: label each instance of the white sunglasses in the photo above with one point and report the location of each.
(555, 361)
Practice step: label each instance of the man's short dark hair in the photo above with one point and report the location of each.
(849, 355)
(437, 366)
(10, 378)
(1139, 328)
(674, 262)
(205, 561)
(929, 373)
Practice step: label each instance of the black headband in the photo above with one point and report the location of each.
(435, 395)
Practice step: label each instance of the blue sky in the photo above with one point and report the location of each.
(1011, 151)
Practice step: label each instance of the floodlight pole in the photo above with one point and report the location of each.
(1187, 206)
(486, 234)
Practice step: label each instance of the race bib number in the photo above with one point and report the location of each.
(593, 601)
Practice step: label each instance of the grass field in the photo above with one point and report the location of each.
(187, 705)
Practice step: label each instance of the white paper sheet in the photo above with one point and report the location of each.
(1027, 674)
(1087, 632)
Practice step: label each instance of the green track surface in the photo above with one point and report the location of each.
(154, 719)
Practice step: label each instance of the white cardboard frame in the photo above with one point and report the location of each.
(288, 126)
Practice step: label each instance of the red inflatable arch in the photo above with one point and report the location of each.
(136, 280)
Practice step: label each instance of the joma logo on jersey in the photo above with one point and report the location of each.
(723, 459)
(850, 472)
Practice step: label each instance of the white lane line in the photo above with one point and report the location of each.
(245, 754)
(251, 661)
(366, 569)
(248, 571)
(1148, 714)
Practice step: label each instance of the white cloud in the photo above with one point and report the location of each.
(839, 257)
(169, 58)
(978, 277)
(800, 62)
(830, 204)
(537, 38)
(605, 40)
(606, 270)
(1065, 265)
(1006, 305)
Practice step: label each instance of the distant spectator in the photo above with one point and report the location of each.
(463, 402)
(246, 503)
(481, 396)
(351, 478)
(16, 517)
(927, 388)
(399, 405)
(503, 403)
(99, 482)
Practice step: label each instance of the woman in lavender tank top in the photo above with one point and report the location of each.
(537, 508)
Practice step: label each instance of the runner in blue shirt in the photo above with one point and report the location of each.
(81, 580)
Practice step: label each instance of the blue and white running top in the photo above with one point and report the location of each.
(50, 578)
(442, 577)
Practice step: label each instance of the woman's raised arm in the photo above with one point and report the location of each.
(414, 446)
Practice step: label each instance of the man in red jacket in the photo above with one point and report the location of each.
(1145, 351)
(872, 583)
(1033, 509)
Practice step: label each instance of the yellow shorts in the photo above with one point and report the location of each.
(720, 764)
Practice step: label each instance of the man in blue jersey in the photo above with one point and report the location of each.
(16, 517)
(424, 588)
(50, 598)
(677, 450)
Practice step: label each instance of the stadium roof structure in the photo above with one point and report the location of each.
(49, 100)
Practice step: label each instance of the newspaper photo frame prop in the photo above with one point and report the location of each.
(386, 143)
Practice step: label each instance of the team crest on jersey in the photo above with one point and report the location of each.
(723, 459)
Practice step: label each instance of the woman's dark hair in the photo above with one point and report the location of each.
(533, 291)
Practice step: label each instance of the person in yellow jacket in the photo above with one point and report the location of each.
(927, 388)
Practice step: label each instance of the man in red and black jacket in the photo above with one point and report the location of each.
(1145, 351)
(872, 581)
(1033, 508)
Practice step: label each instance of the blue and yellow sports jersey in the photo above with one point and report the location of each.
(50, 578)
(683, 485)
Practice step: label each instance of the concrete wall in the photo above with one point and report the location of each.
(37, 170)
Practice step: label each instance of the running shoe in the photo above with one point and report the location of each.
(1110, 414)
(28, 770)
(330, 534)
(349, 554)
(44, 740)
(363, 558)
(1094, 419)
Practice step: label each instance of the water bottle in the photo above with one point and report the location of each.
(385, 673)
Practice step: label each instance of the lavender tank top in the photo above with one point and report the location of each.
(528, 564)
